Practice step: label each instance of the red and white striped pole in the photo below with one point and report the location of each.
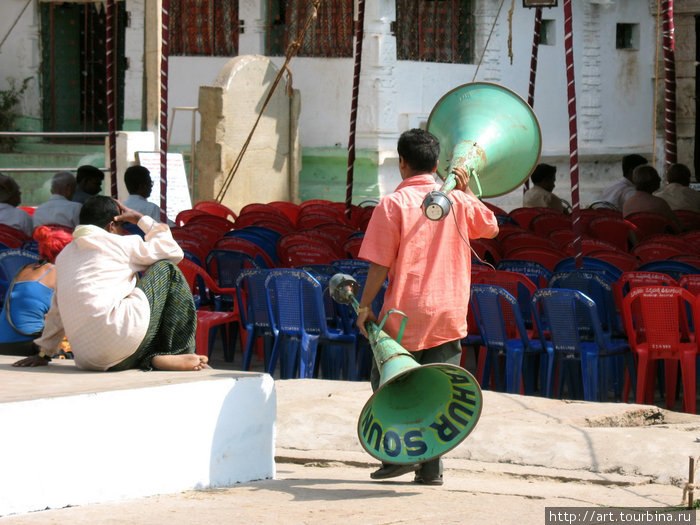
(533, 68)
(111, 96)
(573, 129)
(359, 32)
(163, 123)
(669, 84)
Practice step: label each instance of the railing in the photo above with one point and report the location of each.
(50, 134)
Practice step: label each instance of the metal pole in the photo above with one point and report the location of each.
(111, 105)
(573, 129)
(669, 84)
(163, 135)
(359, 32)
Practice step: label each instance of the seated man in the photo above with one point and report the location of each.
(59, 209)
(540, 194)
(113, 319)
(646, 181)
(678, 193)
(139, 185)
(10, 214)
(619, 191)
(89, 182)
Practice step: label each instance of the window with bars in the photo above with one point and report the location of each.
(330, 35)
(435, 30)
(203, 27)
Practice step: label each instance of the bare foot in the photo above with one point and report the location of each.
(180, 362)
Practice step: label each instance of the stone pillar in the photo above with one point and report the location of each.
(152, 53)
(270, 166)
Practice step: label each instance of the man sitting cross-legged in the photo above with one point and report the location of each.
(114, 319)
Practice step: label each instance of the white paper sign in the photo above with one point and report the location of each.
(178, 197)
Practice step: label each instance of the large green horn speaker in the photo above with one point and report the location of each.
(418, 412)
(491, 131)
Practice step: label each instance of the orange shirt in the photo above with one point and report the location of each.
(429, 261)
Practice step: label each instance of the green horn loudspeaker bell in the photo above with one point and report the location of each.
(418, 412)
(489, 130)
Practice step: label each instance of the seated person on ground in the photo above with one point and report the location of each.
(646, 181)
(29, 295)
(139, 185)
(677, 192)
(59, 209)
(10, 214)
(113, 319)
(540, 193)
(89, 182)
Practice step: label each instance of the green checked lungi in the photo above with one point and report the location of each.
(173, 323)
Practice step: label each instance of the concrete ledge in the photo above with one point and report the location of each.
(71, 437)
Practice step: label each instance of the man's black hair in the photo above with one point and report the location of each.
(629, 162)
(543, 172)
(135, 176)
(88, 172)
(678, 173)
(99, 210)
(420, 149)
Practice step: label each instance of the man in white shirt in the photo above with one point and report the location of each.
(618, 192)
(139, 184)
(10, 214)
(540, 193)
(59, 209)
(114, 319)
(677, 192)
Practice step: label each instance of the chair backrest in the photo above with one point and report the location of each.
(517, 284)
(215, 208)
(523, 216)
(246, 246)
(691, 283)
(634, 279)
(260, 236)
(548, 258)
(290, 209)
(651, 223)
(350, 266)
(689, 219)
(207, 234)
(12, 260)
(221, 224)
(593, 284)
(536, 272)
(14, 232)
(517, 241)
(648, 251)
(225, 265)
(611, 273)
(488, 250)
(497, 314)
(253, 301)
(279, 222)
(548, 222)
(612, 229)
(184, 216)
(670, 267)
(297, 299)
(657, 316)
(624, 261)
(569, 316)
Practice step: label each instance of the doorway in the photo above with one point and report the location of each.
(74, 67)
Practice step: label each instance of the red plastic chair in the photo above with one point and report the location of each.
(14, 232)
(588, 245)
(547, 258)
(290, 209)
(185, 215)
(518, 241)
(208, 235)
(655, 251)
(265, 208)
(561, 237)
(495, 209)
(488, 250)
(207, 319)
(524, 216)
(517, 284)
(690, 220)
(624, 261)
(547, 223)
(690, 282)
(279, 223)
(690, 259)
(654, 318)
(29, 209)
(651, 223)
(630, 280)
(352, 247)
(245, 246)
(315, 201)
(10, 240)
(216, 208)
(508, 229)
(612, 229)
(221, 224)
(587, 215)
(675, 241)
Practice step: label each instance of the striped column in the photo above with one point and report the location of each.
(359, 32)
(163, 124)
(111, 97)
(573, 130)
(669, 84)
(533, 68)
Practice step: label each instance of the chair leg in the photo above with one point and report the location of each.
(688, 375)
(644, 374)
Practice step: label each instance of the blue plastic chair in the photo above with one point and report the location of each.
(365, 355)
(255, 313)
(675, 269)
(351, 266)
(262, 237)
(299, 324)
(611, 273)
(535, 271)
(593, 284)
(502, 328)
(586, 358)
(11, 261)
(224, 266)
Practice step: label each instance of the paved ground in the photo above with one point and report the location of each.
(525, 455)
